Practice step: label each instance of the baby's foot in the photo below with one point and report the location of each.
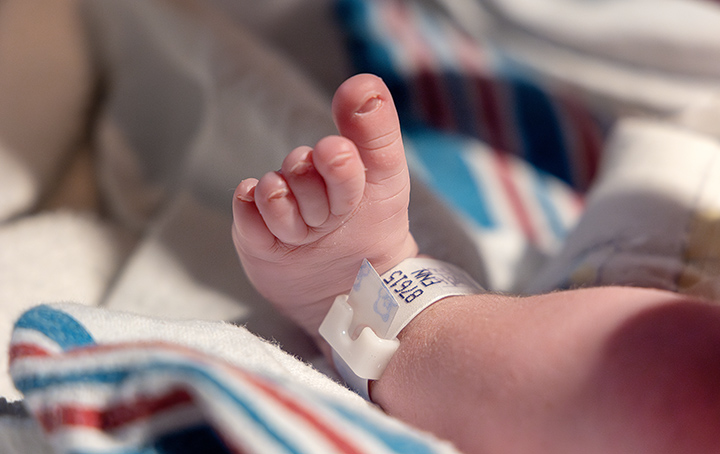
(301, 233)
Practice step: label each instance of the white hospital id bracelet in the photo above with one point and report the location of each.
(362, 327)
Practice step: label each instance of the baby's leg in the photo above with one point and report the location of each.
(302, 232)
(597, 370)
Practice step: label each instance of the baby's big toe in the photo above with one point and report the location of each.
(364, 112)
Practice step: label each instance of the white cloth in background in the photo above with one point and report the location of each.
(650, 56)
(653, 217)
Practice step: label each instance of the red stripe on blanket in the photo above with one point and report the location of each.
(19, 351)
(431, 97)
(492, 123)
(143, 348)
(112, 417)
(340, 442)
(589, 141)
(502, 164)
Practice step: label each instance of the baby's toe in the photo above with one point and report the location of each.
(338, 162)
(278, 208)
(307, 186)
(250, 233)
(364, 112)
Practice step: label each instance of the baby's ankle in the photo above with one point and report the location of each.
(312, 315)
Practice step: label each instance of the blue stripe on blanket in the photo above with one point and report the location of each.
(540, 130)
(449, 174)
(63, 329)
(34, 383)
(396, 441)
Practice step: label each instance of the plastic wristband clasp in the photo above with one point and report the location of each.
(362, 327)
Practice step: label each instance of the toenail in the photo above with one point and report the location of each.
(249, 194)
(245, 197)
(370, 105)
(301, 168)
(340, 158)
(278, 193)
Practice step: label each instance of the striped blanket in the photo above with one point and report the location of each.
(97, 387)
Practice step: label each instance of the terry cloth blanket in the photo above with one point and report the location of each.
(125, 126)
(96, 388)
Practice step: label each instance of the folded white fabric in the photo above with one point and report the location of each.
(642, 33)
(637, 55)
(105, 382)
(653, 217)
